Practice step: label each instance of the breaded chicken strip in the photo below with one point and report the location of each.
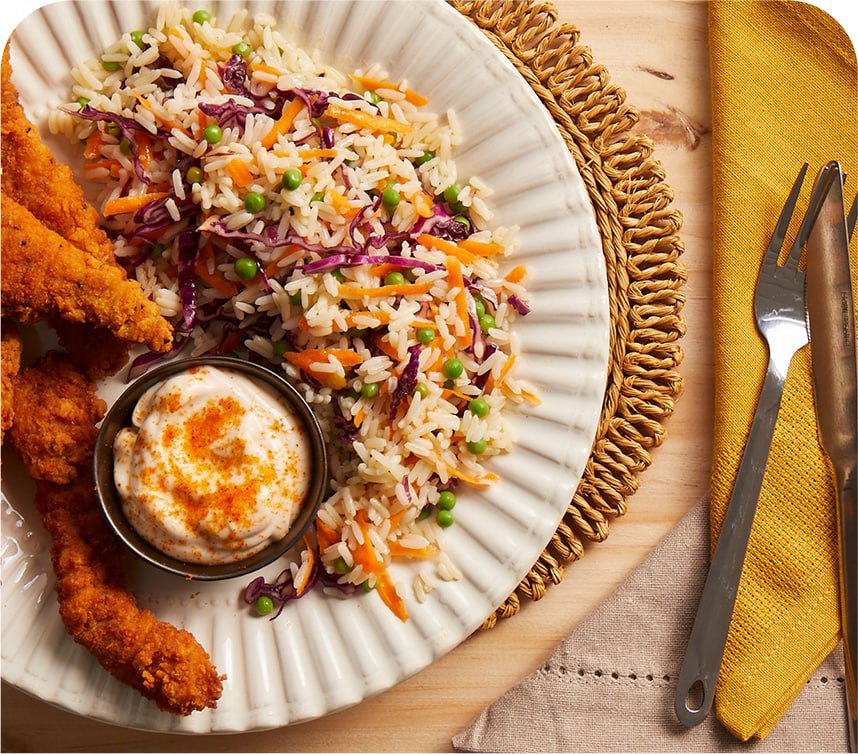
(56, 411)
(93, 350)
(43, 275)
(162, 662)
(33, 178)
(10, 356)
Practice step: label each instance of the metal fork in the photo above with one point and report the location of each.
(779, 308)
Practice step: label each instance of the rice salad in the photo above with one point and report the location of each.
(279, 210)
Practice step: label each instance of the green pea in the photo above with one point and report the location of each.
(246, 268)
(201, 16)
(213, 134)
(264, 605)
(357, 332)
(369, 390)
(478, 447)
(82, 101)
(157, 251)
(445, 519)
(352, 393)
(424, 158)
(425, 512)
(425, 334)
(422, 389)
(137, 38)
(451, 194)
(111, 66)
(487, 322)
(394, 278)
(464, 221)
(390, 198)
(480, 306)
(291, 179)
(410, 275)
(452, 368)
(478, 407)
(367, 587)
(458, 208)
(254, 202)
(449, 384)
(241, 48)
(337, 275)
(125, 146)
(447, 500)
(194, 175)
(280, 347)
(114, 131)
(341, 567)
(374, 97)
(317, 197)
(295, 298)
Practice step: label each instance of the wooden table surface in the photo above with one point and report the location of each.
(657, 51)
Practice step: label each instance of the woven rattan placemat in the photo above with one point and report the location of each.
(639, 230)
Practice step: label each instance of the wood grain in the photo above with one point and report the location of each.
(657, 51)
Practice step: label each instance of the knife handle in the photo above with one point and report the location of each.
(698, 676)
(847, 536)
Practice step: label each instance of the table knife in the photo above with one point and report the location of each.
(831, 323)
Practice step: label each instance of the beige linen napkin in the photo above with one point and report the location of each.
(609, 685)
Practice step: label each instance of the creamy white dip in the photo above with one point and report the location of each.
(215, 467)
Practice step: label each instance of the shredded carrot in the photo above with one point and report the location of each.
(481, 248)
(381, 317)
(455, 280)
(388, 139)
(290, 112)
(325, 535)
(358, 418)
(203, 77)
(215, 279)
(239, 173)
(532, 399)
(303, 325)
(516, 274)
(305, 359)
(272, 269)
(301, 585)
(424, 324)
(387, 349)
(144, 150)
(309, 154)
(447, 392)
(230, 342)
(107, 164)
(125, 204)
(482, 481)
(404, 289)
(422, 204)
(341, 204)
(449, 248)
(380, 270)
(366, 120)
(369, 83)
(399, 551)
(92, 145)
(366, 556)
(265, 69)
(506, 368)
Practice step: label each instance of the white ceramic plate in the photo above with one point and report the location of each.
(323, 654)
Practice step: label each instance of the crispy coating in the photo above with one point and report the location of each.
(10, 356)
(45, 276)
(56, 410)
(33, 178)
(162, 662)
(93, 350)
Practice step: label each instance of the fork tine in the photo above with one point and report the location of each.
(817, 197)
(853, 216)
(777, 241)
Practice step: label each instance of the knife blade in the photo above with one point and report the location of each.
(831, 322)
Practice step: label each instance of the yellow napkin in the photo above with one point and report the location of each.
(783, 91)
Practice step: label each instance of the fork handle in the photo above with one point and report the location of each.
(708, 637)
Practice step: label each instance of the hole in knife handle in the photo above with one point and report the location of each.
(694, 697)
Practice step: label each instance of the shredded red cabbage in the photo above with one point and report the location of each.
(328, 138)
(188, 246)
(146, 361)
(266, 283)
(233, 74)
(426, 224)
(128, 126)
(315, 100)
(271, 238)
(378, 242)
(481, 379)
(407, 381)
(407, 487)
(352, 260)
(519, 305)
(450, 230)
(358, 219)
(231, 113)
(282, 589)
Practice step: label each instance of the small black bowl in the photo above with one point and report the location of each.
(119, 416)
